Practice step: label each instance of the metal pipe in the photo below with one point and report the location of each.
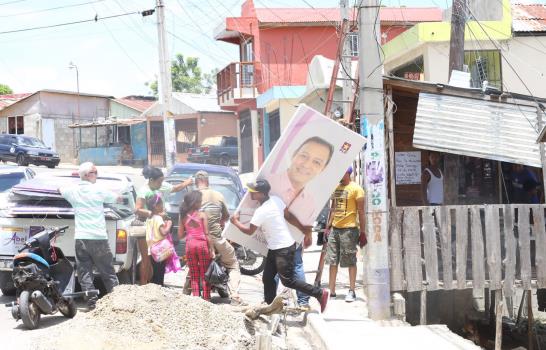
(42, 302)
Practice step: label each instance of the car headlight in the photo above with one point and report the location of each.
(32, 153)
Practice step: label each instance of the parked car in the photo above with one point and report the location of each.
(221, 150)
(12, 175)
(37, 204)
(186, 170)
(25, 150)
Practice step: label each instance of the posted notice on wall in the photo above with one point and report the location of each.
(304, 168)
(408, 168)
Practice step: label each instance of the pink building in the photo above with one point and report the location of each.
(276, 47)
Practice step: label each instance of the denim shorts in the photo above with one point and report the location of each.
(342, 246)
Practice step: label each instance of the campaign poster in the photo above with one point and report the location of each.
(303, 169)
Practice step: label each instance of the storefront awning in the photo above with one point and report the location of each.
(108, 122)
(477, 128)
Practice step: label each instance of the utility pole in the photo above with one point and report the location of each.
(456, 44)
(165, 87)
(376, 265)
(346, 59)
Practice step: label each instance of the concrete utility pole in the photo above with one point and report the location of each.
(456, 44)
(372, 126)
(165, 87)
(346, 60)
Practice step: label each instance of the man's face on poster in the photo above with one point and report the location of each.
(308, 162)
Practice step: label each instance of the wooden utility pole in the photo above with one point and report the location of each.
(372, 109)
(165, 87)
(346, 59)
(456, 44)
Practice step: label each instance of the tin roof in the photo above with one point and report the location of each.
(318, 15)
(529, 17)
(6, 100)
(137, 104)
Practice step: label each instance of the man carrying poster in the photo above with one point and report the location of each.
(271, 217)
(303, 169)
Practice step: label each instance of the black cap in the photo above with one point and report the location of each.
(260, 185)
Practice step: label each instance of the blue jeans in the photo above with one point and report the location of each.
(303, 299)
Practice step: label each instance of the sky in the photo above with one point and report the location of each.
(118, 56)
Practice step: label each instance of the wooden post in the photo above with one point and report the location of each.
(498, 314)
(530, 320)
(390, 130)
(456, 44)
(423, 309)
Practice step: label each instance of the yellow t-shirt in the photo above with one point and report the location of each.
(153, 232)
(345, 197)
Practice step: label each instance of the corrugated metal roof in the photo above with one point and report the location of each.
(137, 104)
(307, 15)
(199, 102)
(477, 128)
(529, 18)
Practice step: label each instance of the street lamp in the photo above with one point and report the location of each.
(77, 145)
(71, 65)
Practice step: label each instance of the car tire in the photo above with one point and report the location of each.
(51, 166)
(20, 160)
(6, 284)
(225, 161)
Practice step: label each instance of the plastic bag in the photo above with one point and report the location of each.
(216, 274)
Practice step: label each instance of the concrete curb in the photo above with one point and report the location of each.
(318, 331)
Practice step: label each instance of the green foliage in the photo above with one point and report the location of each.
(5, 90)
(187, 76)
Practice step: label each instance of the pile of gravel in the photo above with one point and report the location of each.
(152, 317)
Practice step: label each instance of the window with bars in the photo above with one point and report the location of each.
(353, 44)
(16, 125)
(484, 65)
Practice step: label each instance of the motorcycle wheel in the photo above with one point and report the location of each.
(67, 307)
(250, 262)
(30, 314)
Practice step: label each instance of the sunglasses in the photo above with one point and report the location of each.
(93, 172)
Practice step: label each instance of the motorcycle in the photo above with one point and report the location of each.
(44, 279)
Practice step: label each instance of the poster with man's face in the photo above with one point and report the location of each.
(303, 169)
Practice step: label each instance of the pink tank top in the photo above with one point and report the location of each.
(194, 233)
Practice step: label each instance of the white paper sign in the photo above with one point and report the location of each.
(303, 168)
(408, 168)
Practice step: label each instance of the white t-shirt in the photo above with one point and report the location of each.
(269, 217)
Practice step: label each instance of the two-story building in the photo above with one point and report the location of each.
(277, 46)
(504, 45)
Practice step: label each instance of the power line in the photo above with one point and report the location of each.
(95, 19)
(11, 2)
(51, 9)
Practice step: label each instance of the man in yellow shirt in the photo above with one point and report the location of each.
(347, 203)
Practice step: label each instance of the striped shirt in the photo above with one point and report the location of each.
(88, 200)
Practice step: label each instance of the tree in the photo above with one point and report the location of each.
(186, 76)
(5, 90)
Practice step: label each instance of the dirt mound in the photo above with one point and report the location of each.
(152, 317)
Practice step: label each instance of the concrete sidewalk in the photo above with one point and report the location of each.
(345, 325)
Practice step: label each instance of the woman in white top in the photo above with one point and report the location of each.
(432, 182)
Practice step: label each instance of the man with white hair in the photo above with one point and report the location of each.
(92, 249)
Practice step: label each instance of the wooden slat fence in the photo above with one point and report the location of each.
(477, 246)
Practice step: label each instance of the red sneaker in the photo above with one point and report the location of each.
(324, 299)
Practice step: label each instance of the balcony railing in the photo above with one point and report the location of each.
(236, 81)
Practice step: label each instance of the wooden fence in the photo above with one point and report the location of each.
(477, 246)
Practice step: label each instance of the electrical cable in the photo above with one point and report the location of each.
(11, 2)
(50, 9)
(96, 19)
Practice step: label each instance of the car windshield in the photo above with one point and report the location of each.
(221, 185)
(7, 181)
(31, 142)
